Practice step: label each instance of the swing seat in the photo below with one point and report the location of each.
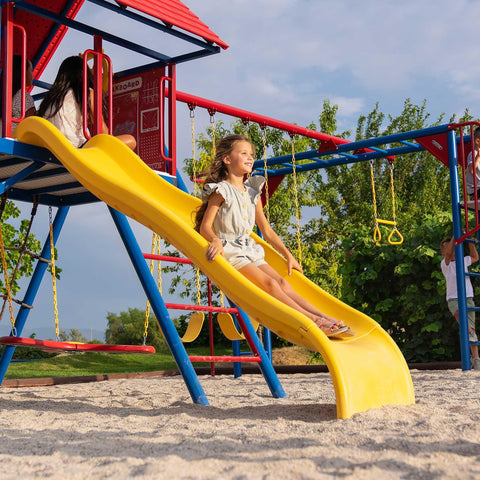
(55, 346)
(229, 329)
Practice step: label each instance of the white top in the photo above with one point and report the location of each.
(450, 273)
(17, 107)
(69, 120)
(235, 220)
(469, 176)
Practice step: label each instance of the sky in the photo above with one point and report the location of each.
(285, 58)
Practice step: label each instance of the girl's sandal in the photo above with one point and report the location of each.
(326, 327)
(348, 333)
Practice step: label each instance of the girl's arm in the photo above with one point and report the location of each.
(473, 165)
(206, 228)
(273, 239)
(92, 110)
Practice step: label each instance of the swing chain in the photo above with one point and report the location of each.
(194, 158)
(197, 275)
(395, 230)
(54, 275)
(7, 281)
(212, 123)
(297, 208)
(147, 310)
(264, 140)
(377, 236)
(246, 124)
(392, 189)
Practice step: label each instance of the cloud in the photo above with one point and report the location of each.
(348, 107)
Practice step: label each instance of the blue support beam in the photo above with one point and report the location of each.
(265, 365)
(158, 306)
(459, 259)
(32, 289)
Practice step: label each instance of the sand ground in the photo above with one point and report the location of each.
(149, 428)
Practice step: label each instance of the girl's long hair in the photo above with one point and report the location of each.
(69, 76)
(218, 170)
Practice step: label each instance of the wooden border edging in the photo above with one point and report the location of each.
(281, 369)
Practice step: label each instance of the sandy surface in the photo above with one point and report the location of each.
(149, 428)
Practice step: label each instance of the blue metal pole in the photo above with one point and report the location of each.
(265, 365)
(267, 342)
(180, 183)
(237, 366)
(459, 260)
(158, 305)
(33, 287)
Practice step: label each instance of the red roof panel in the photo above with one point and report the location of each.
(174, 12)
(39, 29)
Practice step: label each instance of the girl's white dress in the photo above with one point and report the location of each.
(235, 220)
(69, 120)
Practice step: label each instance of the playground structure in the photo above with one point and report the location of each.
(367, 370)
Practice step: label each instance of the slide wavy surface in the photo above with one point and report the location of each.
(368, 370)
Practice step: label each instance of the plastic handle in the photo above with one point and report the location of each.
(24, 75)
(163, 154)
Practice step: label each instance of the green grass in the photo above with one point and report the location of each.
(92, 363)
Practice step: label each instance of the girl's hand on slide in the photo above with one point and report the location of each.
(293, 265)
(215, 248)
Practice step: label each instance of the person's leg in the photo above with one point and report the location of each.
(268, 280)
(289, 290)
(471, 329)
(473, 348)
(128, 140)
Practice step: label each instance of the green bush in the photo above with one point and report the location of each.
(402, 287)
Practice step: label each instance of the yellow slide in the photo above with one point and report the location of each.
(368, 370)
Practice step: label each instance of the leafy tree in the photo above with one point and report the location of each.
(400, 286)
(77, 336)
(403, 288)
(127, 328)
(13, 238)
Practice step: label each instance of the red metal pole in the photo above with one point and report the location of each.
(7, 62)
(97, 86)
(260, 119)
(166, 258)
(172, 119)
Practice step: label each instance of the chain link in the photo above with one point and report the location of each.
(7, 281)
(297, 209)
(197, 274)
(267, 200)
(54, 275)
(194, 158)
(372, 177)
(214, 143)
(392, 189)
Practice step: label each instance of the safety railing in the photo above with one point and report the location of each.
(468, 150)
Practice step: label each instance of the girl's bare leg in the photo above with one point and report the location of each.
(268, 280)
(288, 289)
